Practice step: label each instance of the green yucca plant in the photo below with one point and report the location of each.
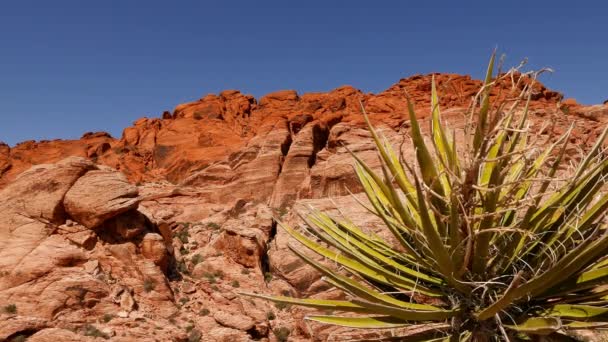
(492, 245)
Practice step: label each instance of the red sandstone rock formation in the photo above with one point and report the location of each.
(150, 237)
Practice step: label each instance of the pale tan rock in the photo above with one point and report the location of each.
(153, 248)
(300, 158)
(98, 196)
(56, 335)
(127, 303)
(15, 324)
(233, 320)
(39, 192)
(223, 334)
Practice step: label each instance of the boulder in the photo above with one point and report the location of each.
(98, 196)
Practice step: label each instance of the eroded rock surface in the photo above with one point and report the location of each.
(153, 236)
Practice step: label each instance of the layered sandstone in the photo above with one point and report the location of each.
(152, 236)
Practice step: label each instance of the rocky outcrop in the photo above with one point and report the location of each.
(151, 237)
(201, 139)
(116, 197)
(54, 271)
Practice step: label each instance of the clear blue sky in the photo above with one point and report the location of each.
(67, 67)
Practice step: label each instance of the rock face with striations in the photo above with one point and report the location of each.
(151, 237)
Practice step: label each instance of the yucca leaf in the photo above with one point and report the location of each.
(377, 322)
(514, 243)
(585, 280)
(353, 246)
(358, 290)
(320, 304)
(406, 314)
(578, 311)
(430, 332)
(562, 269)
(482, 119)
(391, 223)
(370, 271)
(538, 325)
(389, 159)
(426, 164)
(442, 143)
(593, 153)
(440, 253)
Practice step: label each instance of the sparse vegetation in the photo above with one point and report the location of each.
(499, 238)
(18, 338)
(184, 234)
(10, 309)
(281, 333)
(282, 212)
(245, 271)
(235, 283)
(107, 317)
(149, 284)
(204, 312)
(183, 250)
(182, 268)
(282, 305)
(267, 276)
(197, 115)
(91, 330)
(183, 300)
(270, 315)
(213, 225)
(210, 277)
(195, 336)
(196, 259)
(215, 288)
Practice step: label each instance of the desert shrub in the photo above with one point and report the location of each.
(183, 300)
(149, 284)
(195, 335)
(499, 237)
(183, 234)
(91, 330)
(204, 312)
(182, 268)
(213, 225)
(210, 277)
(267, 276)
(18, 338)
(107, 318)
(282, 211)
(198, 115)
(270, 316)
(245, 271)
(10, 309)
(282, 334)
(235, 283)
(196, 259)
(282, 305)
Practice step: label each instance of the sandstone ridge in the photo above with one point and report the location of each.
(151, 237)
